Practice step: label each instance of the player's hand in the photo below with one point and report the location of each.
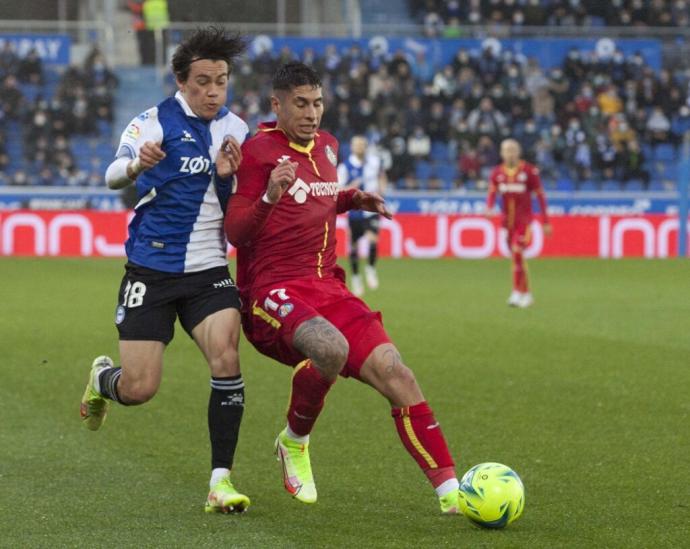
(548, 229)
(371, 202)
(150, 154)
(282, 176)
(229, 157)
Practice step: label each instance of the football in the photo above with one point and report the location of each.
(491, 495)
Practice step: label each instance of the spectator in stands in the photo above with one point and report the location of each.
(30, 70)
(11, 97)
(487, 152)
(658, 126)
(419, 144)
(680, 125)
(4, 158)
(469, 165)
(20, 179)
(632, 162)
(9, 60)
(486, 120)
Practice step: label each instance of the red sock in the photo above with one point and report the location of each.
(519, 274)
(423, 439)
(309, 389)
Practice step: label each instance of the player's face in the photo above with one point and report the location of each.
(299, 112)
(358, 146)
(206, 87)
(510, 153)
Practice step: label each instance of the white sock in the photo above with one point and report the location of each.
(447, 487)
(217, 474)
(297, 438)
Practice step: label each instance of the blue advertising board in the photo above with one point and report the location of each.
(53, 49)
(549, 52)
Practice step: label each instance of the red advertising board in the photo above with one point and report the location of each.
(102, 234)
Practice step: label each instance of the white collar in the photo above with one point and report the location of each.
(355, 161)
(185, 106)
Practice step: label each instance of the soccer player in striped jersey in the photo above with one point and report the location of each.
(516, 181)
(181, 155)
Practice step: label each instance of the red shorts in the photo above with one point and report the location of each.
(271, 315)
(519, 237)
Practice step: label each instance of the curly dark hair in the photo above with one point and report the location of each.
(295, 74)
(207, 43)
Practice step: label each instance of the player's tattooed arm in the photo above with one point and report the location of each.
(323, 343)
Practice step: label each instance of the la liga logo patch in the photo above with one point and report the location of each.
(285, 309)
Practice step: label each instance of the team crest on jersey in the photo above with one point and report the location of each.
(522, 176)
(330, 154)
(187, 137)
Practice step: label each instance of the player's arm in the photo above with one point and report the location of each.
(250, 208)
(538, 189)
(354, 199)
(139, 150)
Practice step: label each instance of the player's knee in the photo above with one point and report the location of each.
(225, 362)
(331, 359)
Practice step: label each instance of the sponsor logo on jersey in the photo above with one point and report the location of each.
(330, 154)
(197, 164)
(300, 190)
(512, 187)
(143, 116)
(187, 137)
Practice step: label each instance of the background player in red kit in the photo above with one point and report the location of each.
(296, 306)
(516, 180)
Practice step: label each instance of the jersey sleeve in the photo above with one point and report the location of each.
(252, 175)
(141, 129)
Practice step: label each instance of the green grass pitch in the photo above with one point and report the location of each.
(586, 395)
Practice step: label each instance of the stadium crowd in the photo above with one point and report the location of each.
(590, 123)
(446, 17)
(594, 122)
(46, 119)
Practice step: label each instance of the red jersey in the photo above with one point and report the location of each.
(516, 186)
(294, 238)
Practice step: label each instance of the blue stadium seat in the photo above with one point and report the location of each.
(664, 152)
(633, 185)
(564, 184)
(422, 172)
(439, 151)
(670, 170)
(656, 185)
(448, 172)
(611, 185)
(587, 186)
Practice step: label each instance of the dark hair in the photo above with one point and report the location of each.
(295, 74)
(208, 43)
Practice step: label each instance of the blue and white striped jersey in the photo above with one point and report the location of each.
(366, 173)
(178, 221)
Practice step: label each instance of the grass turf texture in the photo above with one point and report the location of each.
(585, 395)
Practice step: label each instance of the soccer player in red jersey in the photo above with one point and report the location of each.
(516, 181)
(296, 306)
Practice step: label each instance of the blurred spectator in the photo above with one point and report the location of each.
(469, 165)
(9, 60)
(419, 144)
(658, 126)
(632, 162)
(11, 97)
(30, 68)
